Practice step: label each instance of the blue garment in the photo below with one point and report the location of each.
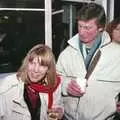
(91, 52)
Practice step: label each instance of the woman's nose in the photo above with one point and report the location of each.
(36, 68)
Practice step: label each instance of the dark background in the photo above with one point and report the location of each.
(25, 29)
(117, 8)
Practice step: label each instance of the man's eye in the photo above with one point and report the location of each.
(88, 27)
(85, 27)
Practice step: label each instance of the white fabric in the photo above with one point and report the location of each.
(12, 104)
(103, 85)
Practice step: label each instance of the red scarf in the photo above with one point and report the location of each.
(40, 88)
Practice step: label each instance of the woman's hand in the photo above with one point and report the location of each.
(56, 113)
(52, 115)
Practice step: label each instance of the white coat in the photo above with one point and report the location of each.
(103, 84)
(12, 104)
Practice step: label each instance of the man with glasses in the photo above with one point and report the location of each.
(89, 67)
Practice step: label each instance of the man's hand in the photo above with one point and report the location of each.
(74, 89)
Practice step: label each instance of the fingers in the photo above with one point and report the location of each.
(72, 86)
(56, 113)
(52, 115)
(59, 110)
(74, 89)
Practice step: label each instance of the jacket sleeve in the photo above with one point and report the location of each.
(2, 107)
(70, 65)
(61, 67)
(57, 96)
(57, 102)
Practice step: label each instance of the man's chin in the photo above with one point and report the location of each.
(87, 41)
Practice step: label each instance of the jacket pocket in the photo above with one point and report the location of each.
(16, 115)
(20, 112)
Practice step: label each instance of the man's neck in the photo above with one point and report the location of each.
(89, 44)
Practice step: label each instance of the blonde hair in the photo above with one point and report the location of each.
(47, 59)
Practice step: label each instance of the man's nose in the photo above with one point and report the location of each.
(82, 30)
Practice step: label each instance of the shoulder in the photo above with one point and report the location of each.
(67, 53)
(113, 47)
(7, 81)
(111, 53)
(73, 46)
(105, 38)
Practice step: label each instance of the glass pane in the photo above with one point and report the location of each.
(62, 25)
(22, 3)
(19, 31)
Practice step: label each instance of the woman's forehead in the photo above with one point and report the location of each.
(118, 26)
(37, 59)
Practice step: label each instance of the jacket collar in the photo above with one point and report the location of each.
(105, 39)
(7, 82)
(74, 41)
(19, 98)
(10, 81)
(19, 104)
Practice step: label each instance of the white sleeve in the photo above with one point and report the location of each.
(2, 107)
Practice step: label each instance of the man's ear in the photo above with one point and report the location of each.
(100, 29)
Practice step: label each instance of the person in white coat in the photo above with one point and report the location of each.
(90, 67)
(113, 28)
(34, 92)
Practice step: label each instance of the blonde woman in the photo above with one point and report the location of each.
(34, 92)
